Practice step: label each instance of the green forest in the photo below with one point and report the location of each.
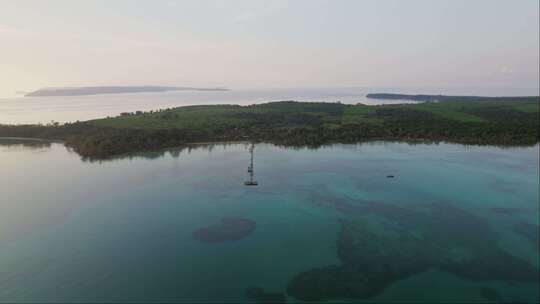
(290, 123)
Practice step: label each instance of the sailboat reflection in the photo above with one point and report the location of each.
(251, 181)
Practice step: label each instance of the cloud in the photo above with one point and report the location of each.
(245, 16)
(506, 70)
(261, 9)
(5, 29)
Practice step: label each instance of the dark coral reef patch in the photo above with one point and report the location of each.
(490, 294)
(380, 243)
(530, 232)
(504, 210)
(230, 229)
(259, 295)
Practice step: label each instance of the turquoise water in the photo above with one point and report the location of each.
(456, 223)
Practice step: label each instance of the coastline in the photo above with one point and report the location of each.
(296, 124)
(208, 144)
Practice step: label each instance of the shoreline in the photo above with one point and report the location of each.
(32, 139)
(297, 124)
(198, 145)
(288, 146)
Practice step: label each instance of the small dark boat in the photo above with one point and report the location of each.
(389, 176)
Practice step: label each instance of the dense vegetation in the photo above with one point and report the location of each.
(513, 122)
(437, 98)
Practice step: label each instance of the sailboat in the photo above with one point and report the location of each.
(251, 181)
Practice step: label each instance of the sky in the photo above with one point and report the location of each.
(268, 43)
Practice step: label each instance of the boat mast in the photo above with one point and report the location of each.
(251, 182)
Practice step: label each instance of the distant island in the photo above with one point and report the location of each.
(78, 91)
(509, 121)
(436, 98)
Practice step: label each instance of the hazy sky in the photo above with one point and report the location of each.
(270, 43)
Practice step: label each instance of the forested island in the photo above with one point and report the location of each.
(501, 122)
(437, 98)
(79, 91)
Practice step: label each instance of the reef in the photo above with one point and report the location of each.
(380, 243)
(257, 294)
(490, 294)
(230, 229)
(504, 210)
(529, 231)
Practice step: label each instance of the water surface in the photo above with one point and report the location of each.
(71, 108)
(455, 223)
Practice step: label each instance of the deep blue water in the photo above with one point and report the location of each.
(456, 223)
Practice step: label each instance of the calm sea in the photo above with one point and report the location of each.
(454, 223)
(62, 109)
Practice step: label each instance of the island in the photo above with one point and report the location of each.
(437, 98)
(79, 91)
(507, 122)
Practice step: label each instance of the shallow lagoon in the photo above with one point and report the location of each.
(456, 223)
